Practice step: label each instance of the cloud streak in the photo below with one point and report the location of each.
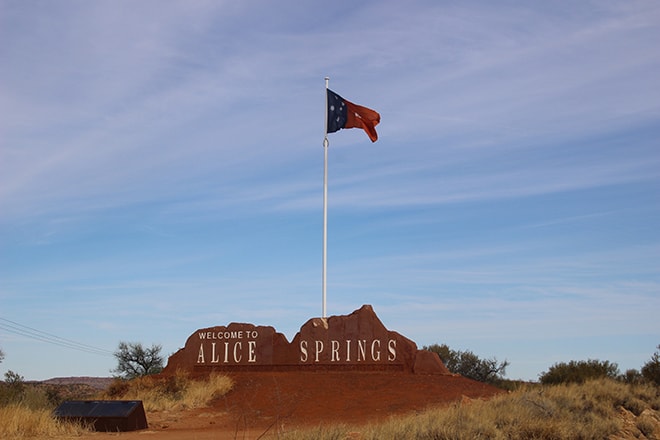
(170, 156)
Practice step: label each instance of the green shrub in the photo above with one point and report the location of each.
(651, 369)
(11, 390)
(468, 364)
(632, 377)
(15, 391)
(579, 372)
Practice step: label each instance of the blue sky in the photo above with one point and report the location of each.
(161, 170)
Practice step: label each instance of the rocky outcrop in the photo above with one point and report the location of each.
(355, 342)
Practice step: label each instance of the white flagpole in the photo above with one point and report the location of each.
(325, 199)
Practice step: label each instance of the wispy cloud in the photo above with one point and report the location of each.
(168, 157)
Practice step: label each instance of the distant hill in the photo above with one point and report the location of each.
(100, 383)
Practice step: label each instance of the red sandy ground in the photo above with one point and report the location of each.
(261, 405)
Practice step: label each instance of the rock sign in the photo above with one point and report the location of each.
(355, 342)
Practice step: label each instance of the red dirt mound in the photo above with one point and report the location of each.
(312, 398)
(270, 402)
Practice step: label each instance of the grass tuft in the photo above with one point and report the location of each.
(171, 392)
(19, 421)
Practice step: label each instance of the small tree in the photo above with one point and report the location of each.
(13, 388)
(2, 355)
(632, 376)
(133, 360)
(651, 369)
(579, 371)
(469, 364)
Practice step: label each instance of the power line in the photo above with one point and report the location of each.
(33, 333)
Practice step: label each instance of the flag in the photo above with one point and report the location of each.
(344, 114)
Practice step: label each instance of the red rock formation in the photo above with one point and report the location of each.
(355, 342)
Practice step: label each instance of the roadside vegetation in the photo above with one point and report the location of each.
(134, 360)
(468, 364)
(26, 409)
(592, 410)
(137, 379)
(575, 400)
(581, 400)
(170, 392)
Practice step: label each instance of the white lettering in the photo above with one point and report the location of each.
(362, 350)
(235, 351)
(375, 355)
(391, 348)
(236, 334)
(303, 351)
(335, 351)
(237, 356)
(319, 349)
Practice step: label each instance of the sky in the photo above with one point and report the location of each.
(161, 171)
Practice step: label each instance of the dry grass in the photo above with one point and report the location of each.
(171, 393)
(584, 412)
(20, 421)
(27, 419)
(587, 411)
